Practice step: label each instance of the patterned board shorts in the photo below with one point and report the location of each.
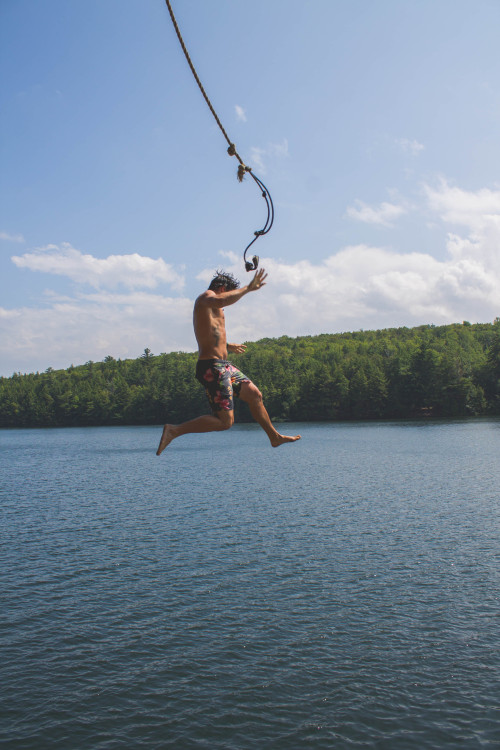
(220, 379)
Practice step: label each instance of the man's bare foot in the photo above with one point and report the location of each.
(166, 438)
(280, 439)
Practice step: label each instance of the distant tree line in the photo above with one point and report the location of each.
(443, 371)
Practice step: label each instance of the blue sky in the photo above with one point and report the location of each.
(375, 126)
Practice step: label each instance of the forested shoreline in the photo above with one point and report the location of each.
(440, 371)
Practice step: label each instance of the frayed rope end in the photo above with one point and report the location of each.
(242, 170)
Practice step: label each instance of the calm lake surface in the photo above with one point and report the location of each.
(341, 592)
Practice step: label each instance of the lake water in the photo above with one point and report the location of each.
(341, 592)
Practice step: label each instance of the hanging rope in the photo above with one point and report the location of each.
(242, 168)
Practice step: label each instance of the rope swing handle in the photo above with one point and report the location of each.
(242, 168)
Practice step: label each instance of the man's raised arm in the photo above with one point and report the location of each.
(223, 299)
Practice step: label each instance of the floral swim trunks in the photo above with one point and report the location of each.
(220, 379)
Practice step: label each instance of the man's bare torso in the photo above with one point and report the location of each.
(210, 330)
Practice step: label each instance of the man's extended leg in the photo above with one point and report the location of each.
(208, 423)
(253, 397)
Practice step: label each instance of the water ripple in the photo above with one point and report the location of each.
(344, 595)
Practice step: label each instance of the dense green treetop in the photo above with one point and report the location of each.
(447, 371)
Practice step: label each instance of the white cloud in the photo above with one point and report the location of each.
(360, 286)
(131, 271)
(412, 147)
(456, 206)
(279, 149)
(240, 113)
(11, 237)
(259, 157)
(369, 287)
(363, 286)
(479, 212)
(384, 215)
(74, 330)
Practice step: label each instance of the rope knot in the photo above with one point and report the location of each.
(242, 169)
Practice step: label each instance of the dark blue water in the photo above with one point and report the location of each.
(341, 592)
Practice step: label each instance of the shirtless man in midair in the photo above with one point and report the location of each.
(219, 377)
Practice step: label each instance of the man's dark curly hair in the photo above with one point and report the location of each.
(226, 280)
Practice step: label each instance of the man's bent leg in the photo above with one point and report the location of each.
(253, 397)
(223, 420)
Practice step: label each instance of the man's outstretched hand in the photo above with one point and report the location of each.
(236, 348)
(258, 280)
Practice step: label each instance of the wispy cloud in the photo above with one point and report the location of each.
(240, 113)
(257, 158)
(260, 157)
(280, 150)
(412, 147)
(131, 271)
(11, 237)
(384, 214)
